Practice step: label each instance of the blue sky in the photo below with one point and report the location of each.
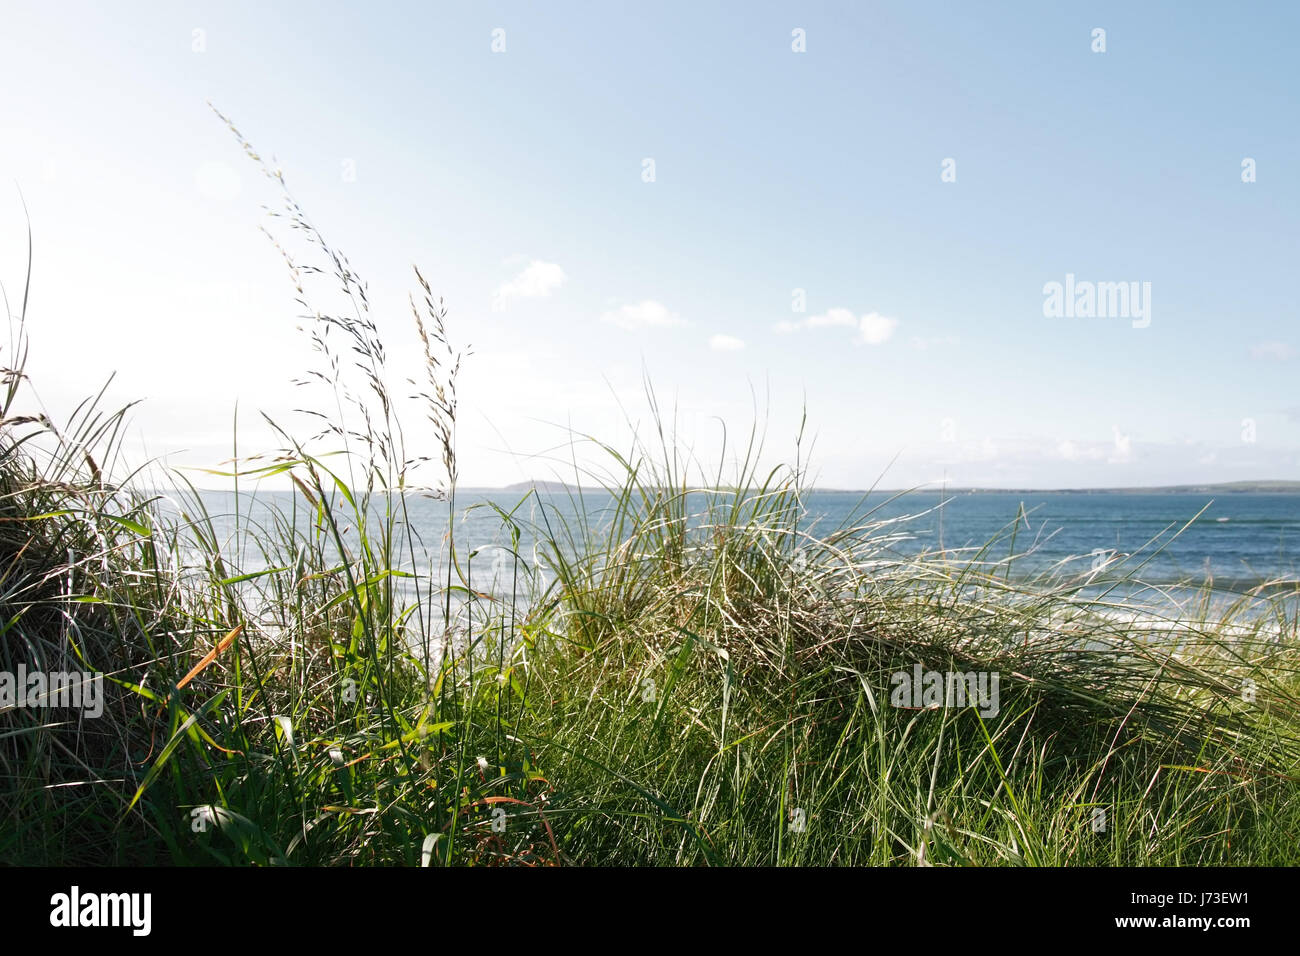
(514, 179)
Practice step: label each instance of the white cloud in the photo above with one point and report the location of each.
(538, 280)
(1070, 450)
(1123, 447)
(643, 315)
(725, 343)
(873, 328)
(1278, 351)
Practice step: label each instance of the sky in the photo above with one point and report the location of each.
(850, 210)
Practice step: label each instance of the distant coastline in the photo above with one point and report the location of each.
(1268, 487)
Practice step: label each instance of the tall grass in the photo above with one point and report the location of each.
(700, 674)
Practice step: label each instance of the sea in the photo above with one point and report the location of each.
(1173, 542)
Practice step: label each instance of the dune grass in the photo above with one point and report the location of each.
(697, 674)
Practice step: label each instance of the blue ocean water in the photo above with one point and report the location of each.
(1236, 540)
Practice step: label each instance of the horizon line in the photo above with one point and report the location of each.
(1265, 485)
